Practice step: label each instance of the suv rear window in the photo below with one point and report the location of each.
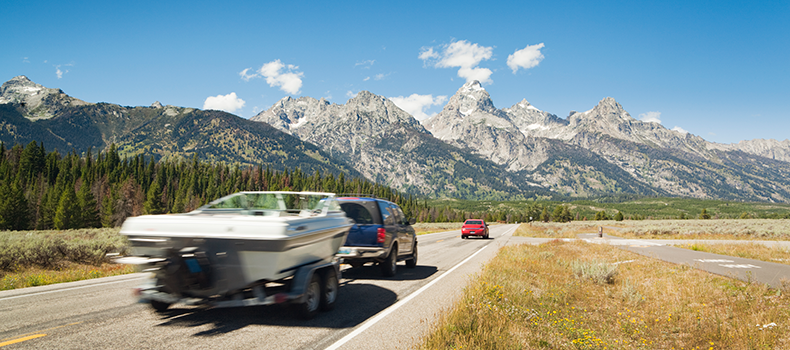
(358, 213)
(473, 222)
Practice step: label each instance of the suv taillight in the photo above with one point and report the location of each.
(381, 234)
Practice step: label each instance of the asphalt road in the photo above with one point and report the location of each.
(372, 312)
(749, 270)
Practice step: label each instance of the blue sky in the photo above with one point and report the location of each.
(718, 69)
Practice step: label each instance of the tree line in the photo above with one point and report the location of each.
(46, 190)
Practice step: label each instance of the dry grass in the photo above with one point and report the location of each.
(423, 228)
(36, 258)
(557, 230)
(536, 297)
(757, 229)
(35, 276)
(754, 251)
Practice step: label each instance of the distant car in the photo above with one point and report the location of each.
(474, 227)
(381, 234)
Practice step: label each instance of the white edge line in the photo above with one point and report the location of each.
(65, 289)
(397, 305)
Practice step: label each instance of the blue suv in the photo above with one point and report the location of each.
(381, 234)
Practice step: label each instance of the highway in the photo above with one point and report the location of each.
(371, 311)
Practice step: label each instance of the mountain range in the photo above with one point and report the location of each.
(471, 149)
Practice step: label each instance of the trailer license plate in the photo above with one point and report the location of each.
(344, 250)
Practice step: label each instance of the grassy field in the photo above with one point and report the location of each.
(34, 258)
(756, 229)
(646, 208)
(430, 227)
(574, 295)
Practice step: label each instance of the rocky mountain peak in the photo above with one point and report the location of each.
(367, 99)
(156, 104)
(37, 101)
(609, 107)
(471, 87)
(607, 112)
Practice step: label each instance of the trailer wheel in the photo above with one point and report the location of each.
(159, 306)
(312, 299)
(389, 266)
(329, 290)
(412, 263)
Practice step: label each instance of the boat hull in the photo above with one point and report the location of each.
(195, 256)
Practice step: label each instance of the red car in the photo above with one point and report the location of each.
(474, 227)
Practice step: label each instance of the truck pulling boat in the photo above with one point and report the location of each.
(248, 248)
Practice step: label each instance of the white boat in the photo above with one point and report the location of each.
(235, 244)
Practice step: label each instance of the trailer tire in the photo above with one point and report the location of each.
(312, 299)
(329, 290)
(389, 266)
(159, 306)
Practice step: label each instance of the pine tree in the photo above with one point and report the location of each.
(153, 201)
(618, 216)
(89, 216)
(67, 214)
(108, 210)
(704, 214)
(544, 215)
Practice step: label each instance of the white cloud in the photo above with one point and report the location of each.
(243, 74)
(25, 60)
(286, 77)
(228, 103)
(277, 74)
(651, 117)
(58, 72)
(365, 64)
(428, 54)
(680, 130)
(463, 55)
(416, 104)
(351, 94)
(366, 79)
(381, 76)
(526, 58)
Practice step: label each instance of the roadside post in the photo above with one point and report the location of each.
(600, 231)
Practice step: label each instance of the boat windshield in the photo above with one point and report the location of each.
(295, 202)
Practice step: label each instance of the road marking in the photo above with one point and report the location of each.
(397, 305)
(72, 288)
(21, 339)
(45, 330)
(441, 240)
(714, 260)
(740, 266)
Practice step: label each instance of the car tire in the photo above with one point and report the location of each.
(389, 266)
(329, 290)
(412, 263)
(463, 237)
(312, 299)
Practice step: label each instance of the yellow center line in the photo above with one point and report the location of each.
(37, 335)
(21, 339)
(441, 240)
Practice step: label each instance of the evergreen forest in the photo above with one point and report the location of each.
(47, 190)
